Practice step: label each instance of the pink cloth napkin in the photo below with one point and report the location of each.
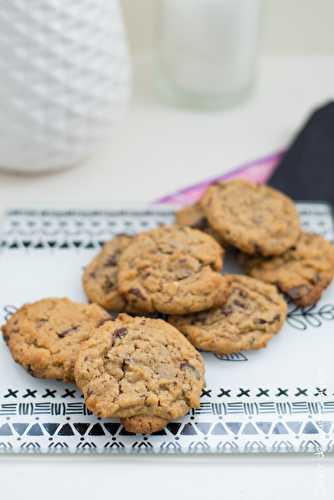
(259, 170)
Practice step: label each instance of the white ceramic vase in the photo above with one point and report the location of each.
(64, 80)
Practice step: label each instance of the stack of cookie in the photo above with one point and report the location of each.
(177, 271)
(147, 371)
(263, 224)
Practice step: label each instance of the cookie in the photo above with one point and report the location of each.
(302, 273)
(45, 337)
(171, 269)
(193, 216)
(100, 276)
(144, 424)
(252, 314)
(255, 219)
(141, 370)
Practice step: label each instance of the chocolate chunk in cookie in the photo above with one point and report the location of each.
(171, 269)
(255, 219)
(100, 276)
(141, 370)
(45, 337)
(302, 273)
(252, 313)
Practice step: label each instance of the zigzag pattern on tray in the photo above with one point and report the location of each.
(87, 229)
(75, 229)
(197, 437)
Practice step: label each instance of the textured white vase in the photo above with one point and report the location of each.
(64, 80)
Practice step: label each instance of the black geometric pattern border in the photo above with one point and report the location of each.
(63, 395)
(203, 437)
(87, 229)
(206, 408)
(176, 429)
(75, 229)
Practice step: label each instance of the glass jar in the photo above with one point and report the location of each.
(207, 51)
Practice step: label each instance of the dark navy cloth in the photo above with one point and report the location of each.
(306, 171)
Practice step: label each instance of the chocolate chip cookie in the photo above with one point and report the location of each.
(141, 370)
(45, 337)
(252, 314)
(171, 269)
(144, 424)
(193, 216)
(100, 276)
(255, 219)
(302, 273)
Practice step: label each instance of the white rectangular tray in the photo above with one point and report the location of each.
(277, 400)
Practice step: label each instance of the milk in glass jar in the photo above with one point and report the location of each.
(207, 50)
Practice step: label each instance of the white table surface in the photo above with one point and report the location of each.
(156, 150)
